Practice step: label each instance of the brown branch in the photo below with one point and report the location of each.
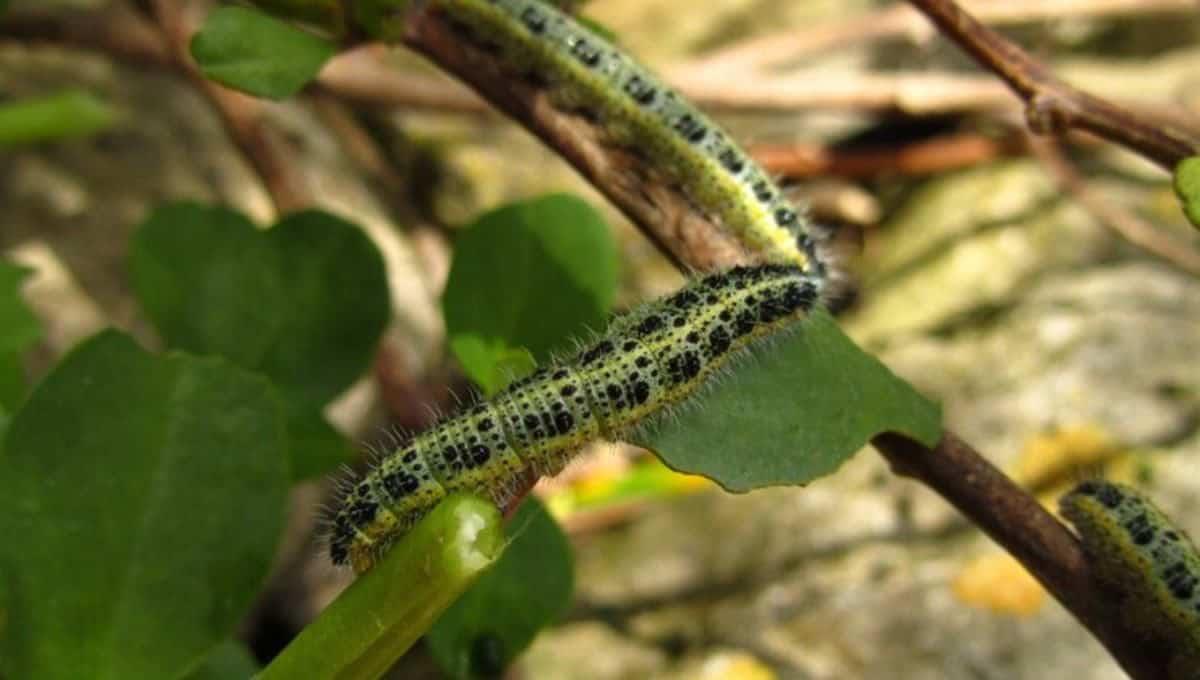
(1052, 106)
(1126, 224)
(940, 154)
(1017, 522)
(243, 116)
(116, 30)
(759, 52)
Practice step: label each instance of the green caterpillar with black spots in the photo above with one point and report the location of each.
(648, 360)
(1151, 564)
(586, 75)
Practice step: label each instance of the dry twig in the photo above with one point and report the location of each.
(242, 115)
(939, 154)
(1126, 224)
(1052, 106)
(760, 52)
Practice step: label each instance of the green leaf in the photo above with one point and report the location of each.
(492, 365)
(362, 633)
(1187, 187)
(338, 305)
(4, 421)
(19, 329)
(209, 281)
(531, 274)
(141, 499)
(12, 379)
(252, 52)
(65, 115)
(229, 661)
(792, 413)
(315, 446)
(304, 302)
(528, 589)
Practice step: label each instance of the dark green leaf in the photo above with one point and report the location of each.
(229, 661)
(68, 114)
(19, 329)
(210, 281)
(250, 51)
(315, 447)
(526, 590)
(494, 364)
(304, 302)
(1187, 187)
(338, 306)
(141, 499)
(532, 275)
(792, 413)
(12, 379)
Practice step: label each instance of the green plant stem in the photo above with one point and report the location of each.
(387, 609)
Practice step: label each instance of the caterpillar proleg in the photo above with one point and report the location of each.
(1136, 550)
(647, 360)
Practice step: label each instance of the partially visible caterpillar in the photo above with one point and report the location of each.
(585, 74)
(1137, 551)
(656, 356)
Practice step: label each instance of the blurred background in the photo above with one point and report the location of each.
(1004, 276)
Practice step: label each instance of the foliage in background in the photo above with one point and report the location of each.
(20, 331)
(1187, 187)
(253, 52)
(64, 115)
(303, 303)
(527, 279)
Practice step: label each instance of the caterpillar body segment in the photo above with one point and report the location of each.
(659, 355)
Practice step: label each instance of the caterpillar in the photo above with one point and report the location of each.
(647, 360)
(585, 74)
(1136, 550)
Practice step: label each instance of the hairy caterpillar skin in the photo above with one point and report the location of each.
(585, 74)
(648, 360)
(1136, 549)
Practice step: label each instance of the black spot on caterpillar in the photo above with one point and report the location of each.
(1136, 550)
(648, 360)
